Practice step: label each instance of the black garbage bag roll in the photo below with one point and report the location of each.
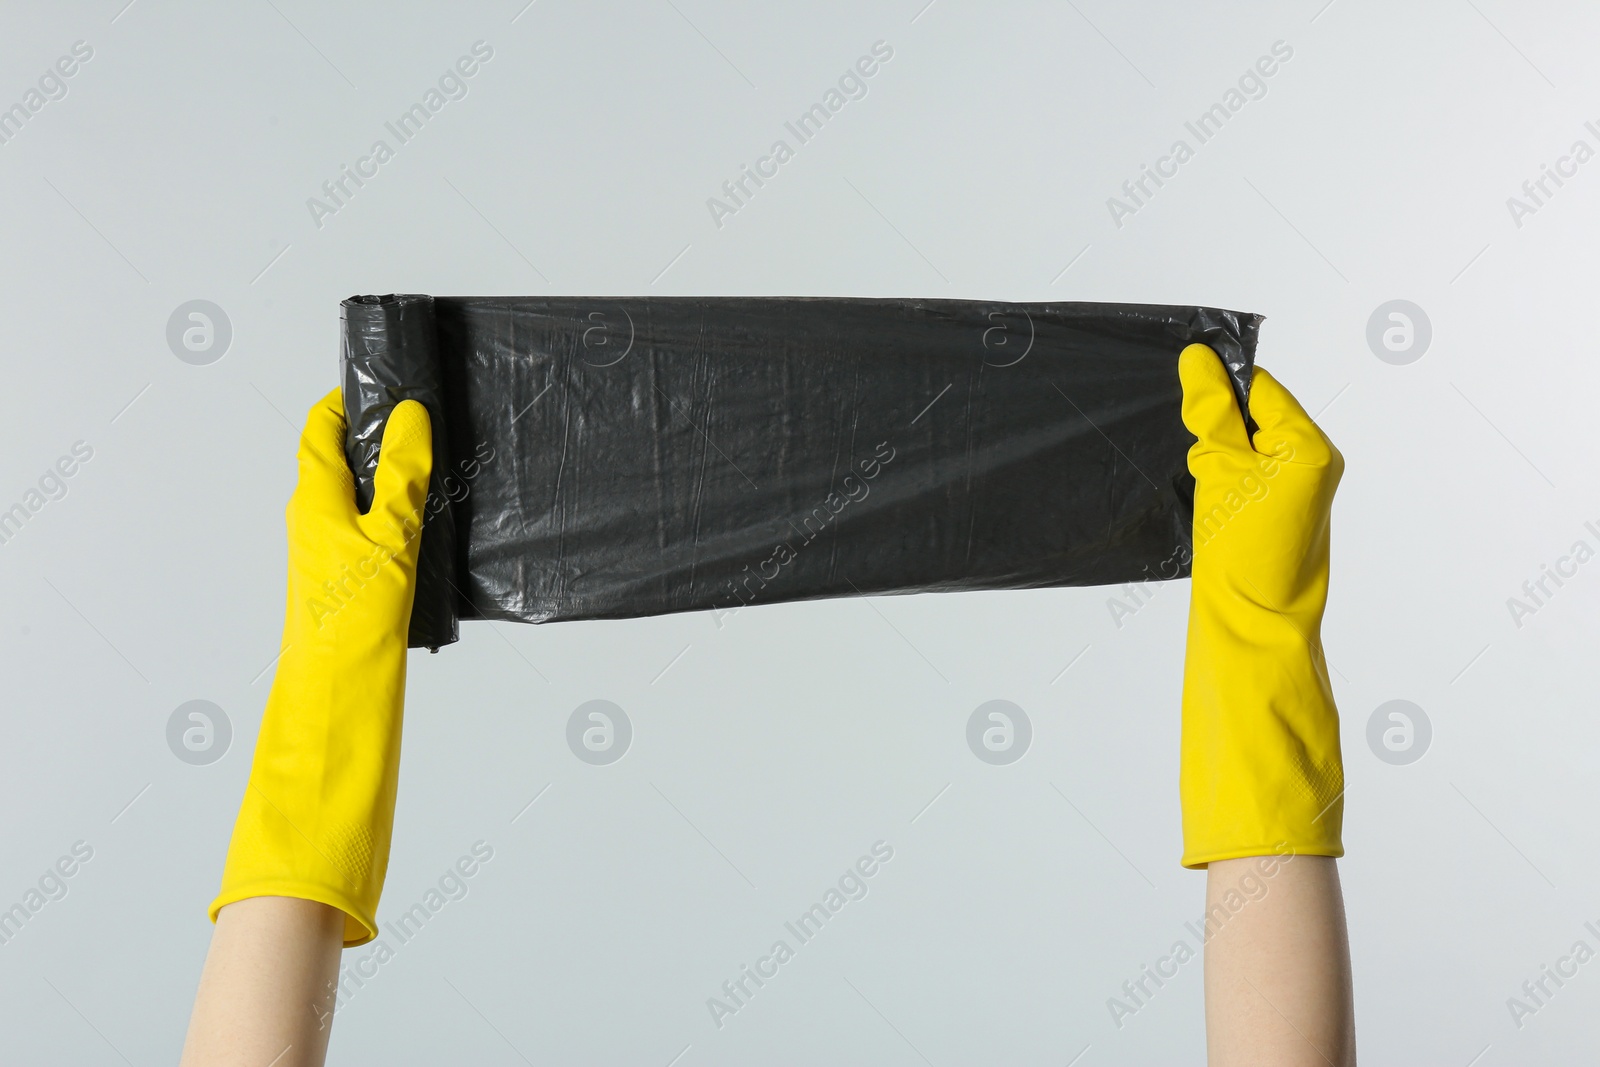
(390, 353)
(601, 457)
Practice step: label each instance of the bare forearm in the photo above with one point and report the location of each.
(267, 993)
(1277, 964)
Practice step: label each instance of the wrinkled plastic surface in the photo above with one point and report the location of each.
(616, 457)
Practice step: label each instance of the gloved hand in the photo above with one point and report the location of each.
(1261, 771)
(319, 807)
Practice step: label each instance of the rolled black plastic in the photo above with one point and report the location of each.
(391, 353)
(604, 457)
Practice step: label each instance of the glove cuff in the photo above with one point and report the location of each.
(1261, 765)
(273, 854)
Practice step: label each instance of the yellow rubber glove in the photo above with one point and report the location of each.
(1261, 771)
(319, 808)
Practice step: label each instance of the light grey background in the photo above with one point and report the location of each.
(769, 753)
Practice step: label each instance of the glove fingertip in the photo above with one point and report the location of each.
(1281, 419)
(1209, 409)
(408, 436)
(1198, 366)
(405, 462)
